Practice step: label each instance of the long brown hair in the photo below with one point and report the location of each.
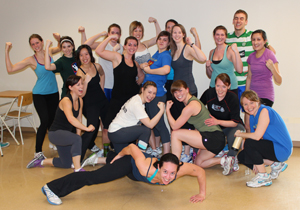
(173, 45)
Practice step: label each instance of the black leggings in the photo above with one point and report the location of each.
(255, 152)
(74, 181)
(45, 106)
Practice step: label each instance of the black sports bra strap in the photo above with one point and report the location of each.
(82, 71)
(149, 167)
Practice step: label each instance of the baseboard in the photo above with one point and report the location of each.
(296, 143)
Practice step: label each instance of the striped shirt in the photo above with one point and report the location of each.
(245, 48)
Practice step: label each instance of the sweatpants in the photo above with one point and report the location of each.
(68, 145)
(109, 172)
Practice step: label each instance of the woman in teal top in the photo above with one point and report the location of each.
(223, 59)
(45, 92)
(209, 139)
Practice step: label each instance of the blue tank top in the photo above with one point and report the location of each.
(225, 66)
(46, 82)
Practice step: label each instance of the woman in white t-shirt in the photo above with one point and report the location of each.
(126, 127)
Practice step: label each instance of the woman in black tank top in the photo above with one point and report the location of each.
(95, 102)
(68, 115)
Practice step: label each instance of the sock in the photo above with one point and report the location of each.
(42, 163)
(77, 170)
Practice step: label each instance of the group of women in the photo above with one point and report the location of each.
(132, 105)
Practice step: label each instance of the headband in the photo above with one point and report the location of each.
(66, 40)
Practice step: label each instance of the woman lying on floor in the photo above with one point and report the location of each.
(129, 162)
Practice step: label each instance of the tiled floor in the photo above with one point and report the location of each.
(20, 188)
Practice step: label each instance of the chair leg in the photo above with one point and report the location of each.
(32, 124)
(1, 151)
(21, 135)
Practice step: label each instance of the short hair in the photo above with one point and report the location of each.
(170, 20)
(116, 26)
(146, 84)
(71, 81)
(220, 27)
(164, 33)
(134, 25)
(177, 85)
(224, 78)
(84, 46)
(241, 11)
(251, 96)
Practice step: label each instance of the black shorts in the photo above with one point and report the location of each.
(213, 141)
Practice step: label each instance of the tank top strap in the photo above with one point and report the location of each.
(38, 61)
(95, 68)
(82, 71)
(181, 54)
(149, 167)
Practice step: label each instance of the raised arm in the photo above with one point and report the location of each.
(262, 125)
(236, 58)
(194, 170)
(48, 65)
(151, 123)
(56, 49)
(18, 66)
(151, 42)
(193, 52)
(81, 30)
(114, 57)
(196, 36)
(92, 40)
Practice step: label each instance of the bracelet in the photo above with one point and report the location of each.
(192, 44)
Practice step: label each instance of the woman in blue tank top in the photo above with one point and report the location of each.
(223, 59)
(129, 162)
(45, 92)
(269, 142)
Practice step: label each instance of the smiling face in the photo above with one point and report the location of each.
(115, 31)
(36, 44)
(148, 94)
(168, 172)
(67, 49)
(131, 46)
(239, 22)
(258, 42)
(177, 34)
(77, 88)
(220, 37)
(251, 107)
(163, 43)
(138, 33)
(84, 56)
(221, 89)
(181, 94)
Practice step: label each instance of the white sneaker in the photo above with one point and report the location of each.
(186, 158)
(100, 153)
(236, 166)
(158, 149)
(227, 164)
(155, 153)
(90, 160)
(149, 150)
(277, 167)
(222, 153)
(51, 197)
(52, 146)
(95, 148)
(261, 179)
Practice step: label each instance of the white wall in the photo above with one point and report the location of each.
(280, 19)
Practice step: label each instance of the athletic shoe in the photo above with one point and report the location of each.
(277, 167)
(227, 164)
(186, 158)
(52, 146)
(80, 170)
(158, 150)
(5, 144)
(95, 148)
(222, 153)
(51, 197)
(90, 161)
(261, 179)
(155, 153)
(38, 154)
(148, 150)
(100, 153)
(236, 166)
(36, 161)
